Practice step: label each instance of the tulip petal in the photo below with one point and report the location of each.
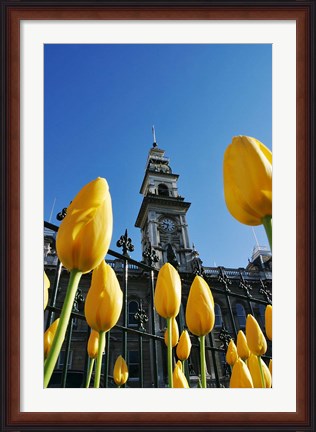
(167, 296)
(268, 321)
(184, 346)
(242, 346)
(231, 354)
(104, 300)
(247, 171)
(200, 317)
(241, 377)
(255, 338)
(179, 379)
(120, 372)
(84, 235)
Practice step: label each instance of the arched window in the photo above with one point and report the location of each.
(133, 365)
(163, 189)
(132, 309)
(218, 316)
(241, 315)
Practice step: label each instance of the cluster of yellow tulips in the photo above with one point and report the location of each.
(83, 240)
(183, 350)
(120, 371)
(200, 319)
(248, 368)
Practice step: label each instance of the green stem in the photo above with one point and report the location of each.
(202, 361)
(99, 360)
(263, 382)
(90, 372)
(267, 223)
(169, 357)
(51, 360)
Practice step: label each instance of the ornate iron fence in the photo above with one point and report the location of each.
(138, 336)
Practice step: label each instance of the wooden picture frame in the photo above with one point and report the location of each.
(303, 13)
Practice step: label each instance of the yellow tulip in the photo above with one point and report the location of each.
(231, 354)
(49, 337)
(255, 338)
(254, 368)
(179, 379)
(120, 372)
(46, 286)
(175, 333)
(267, 375)
(184, 346)
(200, 317)
(168, 292)
(93, 344)
(248, 180)
(104, 300)
(270, 367)
(84, 235)
(240, 377)
(242, 346)
(268, 321)
(179, 363)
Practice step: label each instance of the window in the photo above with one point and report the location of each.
(132, 310)
(218, 316)
(163, 189)
(133, 364)
(241, 315)
(61, 360)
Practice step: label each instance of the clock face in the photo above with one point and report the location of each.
(168, 225)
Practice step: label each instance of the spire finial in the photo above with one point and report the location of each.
(154, 136)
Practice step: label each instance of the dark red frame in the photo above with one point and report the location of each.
(303, 13)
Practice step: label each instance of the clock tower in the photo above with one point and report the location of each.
(162, 215)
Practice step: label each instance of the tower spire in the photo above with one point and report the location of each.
(154, 136)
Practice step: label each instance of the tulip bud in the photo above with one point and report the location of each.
(93, 344)
(184, 346)
(240, 377)
(268, 321)
(46, 286)
(104, 300)
(85, 233)
(254, 368)
(200, 315)
(231, 354)
(49, 337)
(255, 338)
(120, 373)
(179, 379)
(248, 180)
(242, 346)
(168, 292)
(175, 333)
(179, 363)
(270, 367)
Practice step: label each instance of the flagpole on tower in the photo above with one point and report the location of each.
(154, 136)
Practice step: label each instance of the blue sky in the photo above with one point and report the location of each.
(100, 102)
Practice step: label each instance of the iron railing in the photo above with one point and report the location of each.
(138, 336)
